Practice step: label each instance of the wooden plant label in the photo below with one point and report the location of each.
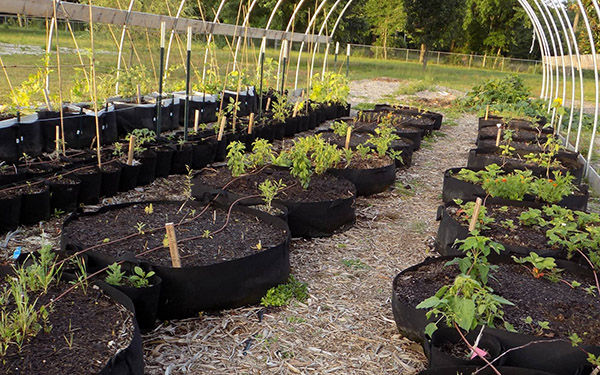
(499, 134)
(57, 141)
(251, 123)
(196, 120)
(348, 135)
(487, 111)
(173, 250)
(139, 94)
(476, 210)
(222, 128)
(131, 149)
(296, 106)
(268, 103)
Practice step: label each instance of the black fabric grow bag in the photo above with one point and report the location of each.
(238, 282)
(559, 357)
(493, 121)
(454, 188)
(182, 159)
(449, 336)
(17, 138)
(63, 194)
(147, 168)
(129, 177)
(204, 153)
(131, 116)
(129, 361)
(479, 159)
(10, 206)
(111, 176)
(164, 160)
(437, 117)
(451, 230)
(91, 183)
(306, 219)
(35, 207)
(368, 181)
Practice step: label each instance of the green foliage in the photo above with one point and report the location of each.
(340, 128)
(269, 190)
(282, 294)
(468, 301)
(311, 155)
(541, 266)
(114, 275)
(466, 212)
(333, 88)
(138, 279)
(262, 153)
(280, 107)
(143, 137)
(509, 89)
(236, 160)
(383, 138)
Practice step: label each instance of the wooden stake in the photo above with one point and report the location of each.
(251, 123)
(475, 217)
(57, 139)
(196, 120)
(139, 94)
(175, 261)
(131, 149)
(487, 111)
(222, 128)
(499, 134)
(348, 135)
(268, 103)
(296, 106)
(93, 88)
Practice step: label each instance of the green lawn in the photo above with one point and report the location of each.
(19, 66)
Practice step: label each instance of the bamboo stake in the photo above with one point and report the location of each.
(87, 79)
(94, 89)
(499, 134)
(222, 128)
(251, 123)
(10, 86)
(348, 135)
(57, 139)
(296, 106)
(487, 111)
(131, 149)
(475, 216)
(268, 104)
(173, 250)
(196, 120)
(151, 58)
(60, 86)
(139, 94)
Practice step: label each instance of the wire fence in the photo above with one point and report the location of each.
(500, 63)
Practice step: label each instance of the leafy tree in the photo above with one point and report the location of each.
(583, 39)
(494, 25)
(386, 18)
(431, 22)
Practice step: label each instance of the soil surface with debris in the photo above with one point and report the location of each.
(346, 326)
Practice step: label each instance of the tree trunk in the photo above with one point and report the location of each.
(423, 50)
(385, 45)
(576, 20)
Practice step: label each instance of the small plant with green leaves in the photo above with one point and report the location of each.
(507, 149)
(539, 266)
(553, 190)
(233, 107)
(114, 275)
(467, 210)
(137, 279)
(140, 227)
(236, 158)
(283, 294)
(118, 149)
(269, 190)
(340, 128)
(142, 138)
(538, 327)
(280, 107)
(383, 138)
(140, 278)
(262, 154)
(468, 301)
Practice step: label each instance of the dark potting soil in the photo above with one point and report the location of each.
(372, 162)
(244, 235)
(568, 310)
(323, 187)
(99, 328)
(33, 188)
(357, 139)
(521, 235)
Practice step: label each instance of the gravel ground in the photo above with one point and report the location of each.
(346, 326)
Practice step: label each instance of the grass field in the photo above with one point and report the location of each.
(20, 65)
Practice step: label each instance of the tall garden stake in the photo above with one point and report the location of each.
(187, 83)
(94, 89)
(348, 61)
(285, 59)
(60, 98)
(160, 77)
(262, 70)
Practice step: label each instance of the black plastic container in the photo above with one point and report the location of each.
(63, 194)
(129, 177)
(35, 205)
(147, 173)
(91, 184)
(111, 175)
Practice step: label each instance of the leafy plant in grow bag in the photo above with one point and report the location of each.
(553, 190)
(507, 149)
(262, 153)
(512, 186)
(466, 213)
(333, 88)
(280, 107)
(26, 96)
(468, 301)
(139, 278)
(340, 128)
(142, 137)
(382, 140)
(269, 190)
(236, 159)
(540, 266)
(508, 89)
(232, 107)
(281, 295)
(546, 158)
